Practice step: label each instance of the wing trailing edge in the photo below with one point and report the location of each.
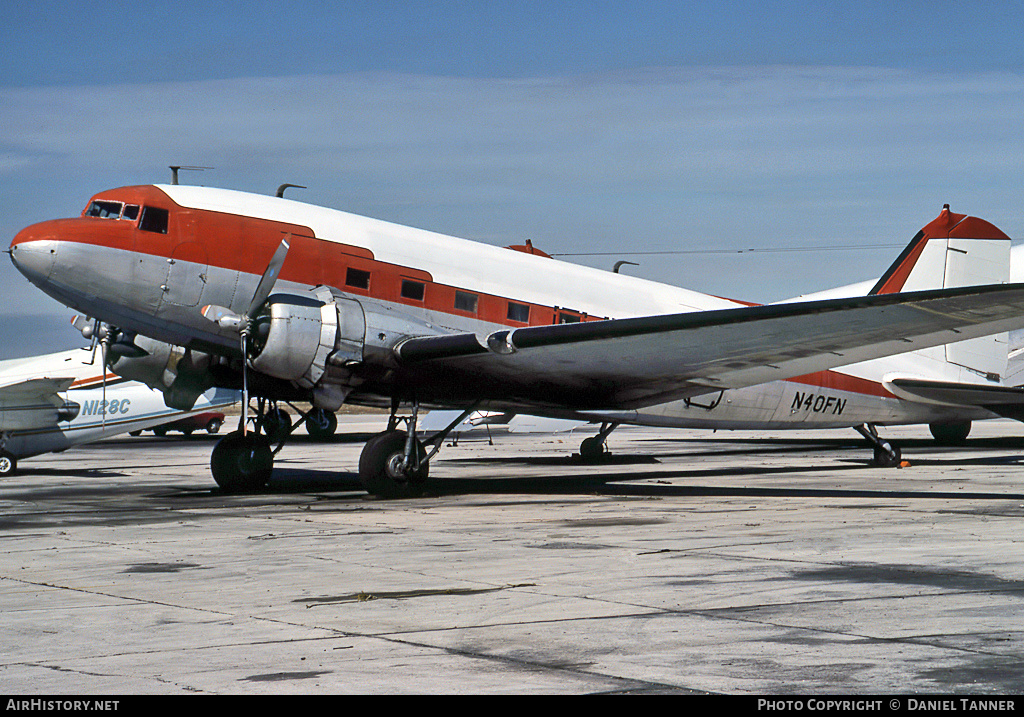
(645, 360)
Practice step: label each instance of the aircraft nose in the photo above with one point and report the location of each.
(33, 251)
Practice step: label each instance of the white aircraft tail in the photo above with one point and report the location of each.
(956, 250)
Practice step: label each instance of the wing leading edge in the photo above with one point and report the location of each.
(628, 363)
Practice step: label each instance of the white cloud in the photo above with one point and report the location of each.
(654, 159)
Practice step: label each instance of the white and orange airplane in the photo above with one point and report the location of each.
(56, 401)
(293, 302)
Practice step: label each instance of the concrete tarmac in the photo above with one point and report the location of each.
(691, 562)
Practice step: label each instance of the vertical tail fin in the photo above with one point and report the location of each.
(956, 250)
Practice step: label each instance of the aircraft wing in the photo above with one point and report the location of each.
(629, 363)
(31, 403)
(34, 389)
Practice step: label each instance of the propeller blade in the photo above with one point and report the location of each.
(228, 319)
(269, 278)
(244, 420)
(103, 353)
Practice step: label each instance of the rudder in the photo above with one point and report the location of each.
(956, 250)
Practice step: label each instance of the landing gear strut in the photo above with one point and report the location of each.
(395, 463)
(887, 455)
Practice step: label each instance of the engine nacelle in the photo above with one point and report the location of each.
(295, 333)
(180, 374)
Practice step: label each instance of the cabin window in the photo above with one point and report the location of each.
(412, 290)
(464, 301)
(131, 211)
(154, 219)
(567, 318)
(357, 278)
(518, 312)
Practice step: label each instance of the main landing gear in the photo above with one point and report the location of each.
(243, 460)
(395, 463)
(887, 455)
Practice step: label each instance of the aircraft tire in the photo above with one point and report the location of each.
(242, 463)
(883, 459)
(321, 423)
(953, 433)
(8, 464)
(592, 449)
(380, 467)
(276, 424)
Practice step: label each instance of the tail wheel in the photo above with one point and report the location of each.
(950, 434)
(592, 449)
(885, 459)
(8, 464)
(242, 463)
(382, 467)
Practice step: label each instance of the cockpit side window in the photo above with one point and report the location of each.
(154, 219)
(104, 209)
(107, 209)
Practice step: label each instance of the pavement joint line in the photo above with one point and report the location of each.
(922, 622)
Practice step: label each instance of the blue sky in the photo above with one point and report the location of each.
(731, 133)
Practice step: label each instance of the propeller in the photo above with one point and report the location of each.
(242, 323)
(104, 348)
(99, 335)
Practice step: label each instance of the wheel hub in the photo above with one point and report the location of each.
(395, 467)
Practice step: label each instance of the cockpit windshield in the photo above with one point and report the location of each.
(106, 209)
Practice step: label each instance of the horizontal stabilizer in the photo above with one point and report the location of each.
(1007, 401)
